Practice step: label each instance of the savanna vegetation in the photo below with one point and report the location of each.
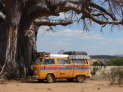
(116, 62)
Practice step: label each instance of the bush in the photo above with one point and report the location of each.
(116, 75)
(98, 64)
(116, 62)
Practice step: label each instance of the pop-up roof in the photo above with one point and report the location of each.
(59, 55)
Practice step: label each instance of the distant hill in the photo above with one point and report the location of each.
(105, 59)
(102, 56)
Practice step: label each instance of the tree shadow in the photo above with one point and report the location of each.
(57, 81)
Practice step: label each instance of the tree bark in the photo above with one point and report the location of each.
(2, 45)
(12, 23)
(26, 48)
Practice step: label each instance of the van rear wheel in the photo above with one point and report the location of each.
(50, 78)
(80, 78)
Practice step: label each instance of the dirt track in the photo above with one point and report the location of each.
(88, 86)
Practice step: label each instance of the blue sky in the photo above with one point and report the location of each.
(73, 37)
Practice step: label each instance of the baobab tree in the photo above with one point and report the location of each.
(18, 26)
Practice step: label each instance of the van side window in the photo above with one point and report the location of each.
(78, 61)
(49, 61)
(62, 61)
(86, 61)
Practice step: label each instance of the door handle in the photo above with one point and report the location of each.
(62, 73)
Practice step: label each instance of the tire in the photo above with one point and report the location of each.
(40, 80)
(50, 78)
(80, 78)
(70, 79)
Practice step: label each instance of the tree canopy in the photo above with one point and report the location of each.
(99, 11)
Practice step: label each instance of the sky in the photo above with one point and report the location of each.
(74, 38)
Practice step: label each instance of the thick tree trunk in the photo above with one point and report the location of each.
(26, 50)
(9, 67)
(25, 55)
(12, 23)
(2, 45)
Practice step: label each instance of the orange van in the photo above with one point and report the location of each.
(61, 66)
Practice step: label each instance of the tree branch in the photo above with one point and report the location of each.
(44, 21)
(101, 22)
(102, 10)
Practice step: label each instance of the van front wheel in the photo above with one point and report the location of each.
(80, 78)
(50, 78)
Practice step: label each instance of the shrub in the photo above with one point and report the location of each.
(116, 75)
(116, 62)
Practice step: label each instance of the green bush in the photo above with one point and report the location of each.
(116, 62)
(98, 64)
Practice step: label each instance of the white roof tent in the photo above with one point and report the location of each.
(79, 57)
(59, 55)
(70, 56)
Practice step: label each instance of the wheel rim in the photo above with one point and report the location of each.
(81, 78)
(50, 78)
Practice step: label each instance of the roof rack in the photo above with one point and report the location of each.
(76, 53)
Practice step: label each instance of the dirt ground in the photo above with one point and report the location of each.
(59, 86)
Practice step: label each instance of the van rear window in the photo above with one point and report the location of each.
(79, 61)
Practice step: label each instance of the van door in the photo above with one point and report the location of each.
(69, 71)
(48, 67)
(79, 67)
(65, 69)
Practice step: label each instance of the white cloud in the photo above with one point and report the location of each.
(119, 40)
(68, 33)
(64, 15)
(92, 36)
(42, 29)
(92, 42)
(78, 34)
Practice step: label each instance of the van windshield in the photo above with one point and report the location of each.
(38, 61)
(63, 61)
